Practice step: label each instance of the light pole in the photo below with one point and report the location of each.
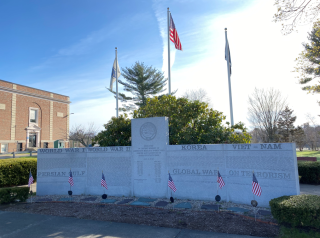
(41, 123)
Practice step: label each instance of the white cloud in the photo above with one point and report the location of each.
(161, 15)
(261, 57)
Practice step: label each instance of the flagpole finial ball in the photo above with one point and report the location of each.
(254, 203)
(116, 47)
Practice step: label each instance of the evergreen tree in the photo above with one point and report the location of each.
(308, 63)
(299, 137)
(142, 82)
(285, 124)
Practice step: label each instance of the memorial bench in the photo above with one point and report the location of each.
(307, 158)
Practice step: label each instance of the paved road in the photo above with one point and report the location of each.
(33, 225)
(9, 156)
(310, 189)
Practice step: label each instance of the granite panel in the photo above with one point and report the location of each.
(142, 169)
(150, 136)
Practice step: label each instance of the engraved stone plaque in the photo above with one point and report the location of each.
(148, 131)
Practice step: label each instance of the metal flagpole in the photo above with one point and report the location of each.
(228, 64)
(117, 81)
(169, 69)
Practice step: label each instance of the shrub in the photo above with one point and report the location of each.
(298, 210)
(309, 172)
(8, 195)
(14, 172)
(190, 122)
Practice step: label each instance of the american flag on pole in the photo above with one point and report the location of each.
(256, 189)
(174, 35)
(70, 179)
(220, 180)
(103, 181)
(171, 184)
(30, 179)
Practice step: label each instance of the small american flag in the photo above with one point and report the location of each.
(174, 35)
(220, 180)
(171, 184)
(70, 179)
(103, 181)
(256, 189)
(30, 179)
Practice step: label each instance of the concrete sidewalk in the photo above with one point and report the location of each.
(310, 189)
(33, 225)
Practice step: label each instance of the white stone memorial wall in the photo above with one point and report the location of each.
(142, 169)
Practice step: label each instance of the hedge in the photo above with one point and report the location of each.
(8, 195)
(309, 172)
(299, 210)
(14, 172)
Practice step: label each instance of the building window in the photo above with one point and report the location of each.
(33, 116)
(4, 148)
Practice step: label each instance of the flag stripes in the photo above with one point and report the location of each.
(30, 179)
(220, 180)
(70, 180)
(174, 35)
(103, 181)
(171, 184)
(256, 189)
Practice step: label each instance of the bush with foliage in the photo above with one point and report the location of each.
(299, 210)
(309, 172)
(8, 195)
(190, 122)
(117, 133)
(14, 172)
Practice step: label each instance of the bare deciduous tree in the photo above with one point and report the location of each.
(296, 12)
(200, 95)
(258, 136)
(264, 111)
(83, 134)
(311, 130)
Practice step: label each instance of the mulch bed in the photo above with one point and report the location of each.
(224, 222)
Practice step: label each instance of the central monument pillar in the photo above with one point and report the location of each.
(150, 137)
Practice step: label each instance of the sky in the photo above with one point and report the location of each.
(68, 47)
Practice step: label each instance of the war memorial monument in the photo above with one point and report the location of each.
(141, 169)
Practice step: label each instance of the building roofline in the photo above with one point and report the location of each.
(33, 88)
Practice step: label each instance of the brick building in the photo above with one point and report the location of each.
(31, 118)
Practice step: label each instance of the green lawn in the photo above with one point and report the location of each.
(309, 154)
(27, 157)
(286, 232)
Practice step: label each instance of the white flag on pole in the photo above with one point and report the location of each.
(113, 73)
